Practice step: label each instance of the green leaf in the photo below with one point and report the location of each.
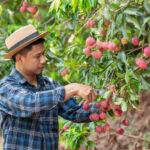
(91, 144)
(114, 7)
(133, 75)
(119, 99)
(122, 57)
(124, 30)
(147, 19)
(119, 20)
(0, 10)
(57, 3)
(127, 77)
(134, 21)
(117, 42)
(106, 13)
(124, 106)
(107, 94)
(120, 75)
(132, 11)
(147, 6)
(145, 84)
(148, 38)
(133, 97)
(123, 88)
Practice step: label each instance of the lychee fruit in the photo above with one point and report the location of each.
(105, 45)
(103, 116)
(90, 41)
(124, 41)
(135, 41)
(63, 73)
(105, 104)
(99, 129)
(138, 60)
(120, 131)
(35, 8)
(32, 10)
(111, 46)
(22, 9)
(98, 104)
(97, 54)
(125, 122)
(147, 51)
(87, 51)
(25, 3)
(66, 128)
(86, 107)
(142, 65)
(99, 44)
(94, 117)
(106, 127)
(90, 24)
(107, 23)
(118, 113)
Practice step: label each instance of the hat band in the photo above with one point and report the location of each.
(26, 39)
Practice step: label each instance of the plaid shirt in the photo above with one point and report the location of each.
(29, 115)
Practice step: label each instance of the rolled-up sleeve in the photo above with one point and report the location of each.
(20, 102)
(71, 110)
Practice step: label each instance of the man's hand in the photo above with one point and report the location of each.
(84, 91)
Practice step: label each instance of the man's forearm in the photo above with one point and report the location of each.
(84, 91)
(70, 90)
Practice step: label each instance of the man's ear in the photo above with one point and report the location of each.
(19, 58)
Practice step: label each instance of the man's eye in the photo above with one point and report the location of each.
(38, 56)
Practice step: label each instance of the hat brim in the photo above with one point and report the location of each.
(14, 51)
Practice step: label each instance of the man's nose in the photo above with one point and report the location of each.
(43, 60)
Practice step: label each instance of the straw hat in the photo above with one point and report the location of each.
(22, 38)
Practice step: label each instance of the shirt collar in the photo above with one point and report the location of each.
(21, 79)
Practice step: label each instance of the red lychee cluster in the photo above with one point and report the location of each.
(99, 47)
(105, 128)
(105, 107)
(141, 63)
(135, 41)
(30, 9)
(64, 72)
(125, 122)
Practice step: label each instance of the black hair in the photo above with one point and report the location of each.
(28, 48)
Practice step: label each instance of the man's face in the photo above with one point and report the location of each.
(33, 62)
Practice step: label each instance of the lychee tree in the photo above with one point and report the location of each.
(104, 44)
(115, 57)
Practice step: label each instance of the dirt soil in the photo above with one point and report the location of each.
(135, 135)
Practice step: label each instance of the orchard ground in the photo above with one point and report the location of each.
(139, 126)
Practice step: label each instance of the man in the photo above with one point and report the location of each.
(30, 103)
